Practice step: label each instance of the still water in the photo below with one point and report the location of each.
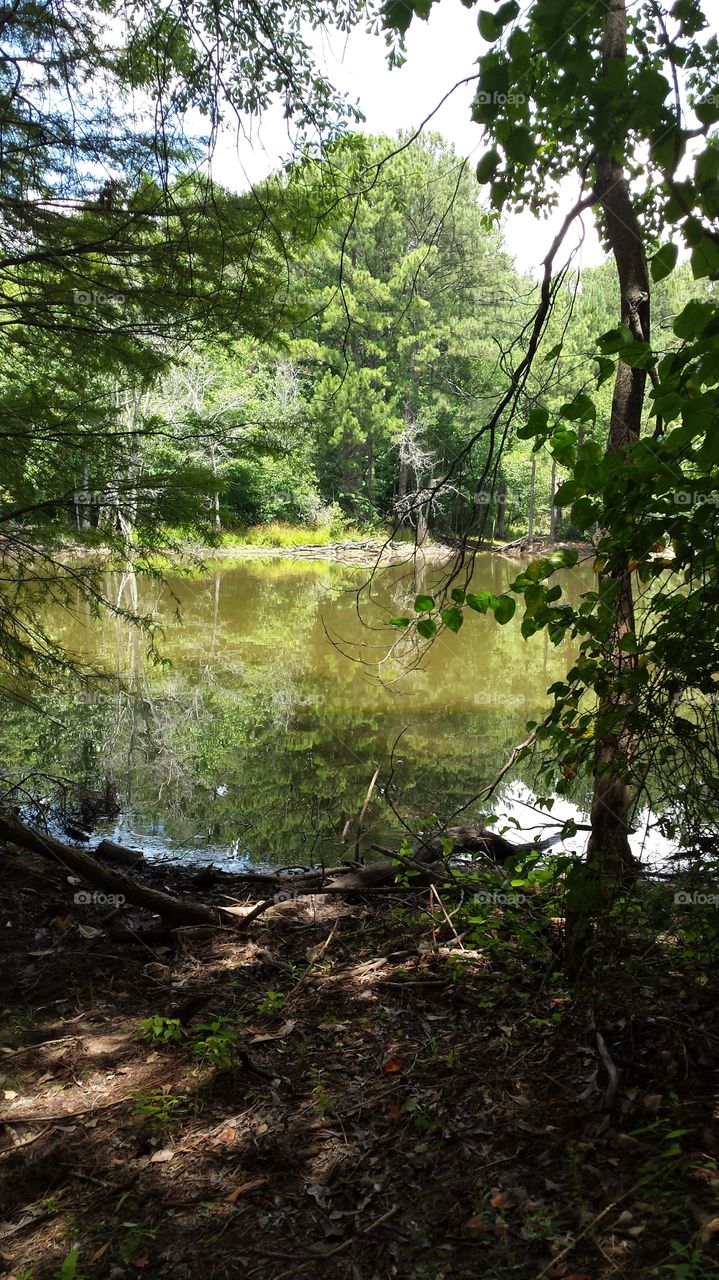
(257, 741)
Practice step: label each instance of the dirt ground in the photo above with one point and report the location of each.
(350, 1095)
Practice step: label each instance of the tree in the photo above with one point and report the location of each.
(115, 248)
(408, 292)
(633, 75)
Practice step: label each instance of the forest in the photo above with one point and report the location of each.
(359, 643)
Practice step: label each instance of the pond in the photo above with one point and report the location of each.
(257, 741)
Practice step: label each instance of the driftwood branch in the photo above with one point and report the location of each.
(171, 908)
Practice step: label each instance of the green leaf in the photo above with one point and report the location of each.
(520, 146)
(628, 643)
(427, 628)
(664, 261)
(507, 12)
(458, 595)
(605, 370)
(568, 493)
(504, 609)
(693, 320)
(615, 339)
(399, 622)
(452, 617)
(584, 512)
(424, 604)
(397, 15)
(565, 558)
(708, 110)
(489, 28)
(481, 602)
(705, 259)
(488, 166)
(537, 424)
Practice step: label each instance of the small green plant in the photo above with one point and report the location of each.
(68, 1269)
(159, 1108)
(321, 1099)
(216, 1042)
(51, 1204)
(134, 1240)
(686, 1262)
(271, 1003)
(160, 1030)
(70, 1229)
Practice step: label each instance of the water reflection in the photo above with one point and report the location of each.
(261, 737)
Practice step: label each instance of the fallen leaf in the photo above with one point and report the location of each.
(652, 1101)
(276, 1035)
(161, 1157)
(475, 1226)
(226, 1135)
(62, 922)
(392, 1066)
(244, 1187)
(87, 931)
(502, 1200)
(9, 1094)
(103, 1249)
(394, 1111)
(708, 1230)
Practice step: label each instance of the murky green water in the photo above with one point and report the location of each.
(262, 736)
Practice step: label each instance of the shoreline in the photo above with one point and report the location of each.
(366, 553)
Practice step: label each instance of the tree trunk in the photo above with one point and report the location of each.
(402, 489)
(532, 488)
(217, 519)
(552, 508)
(370, 467)
(609, 843)
(500, 523)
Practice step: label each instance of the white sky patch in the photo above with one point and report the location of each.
(440, 52)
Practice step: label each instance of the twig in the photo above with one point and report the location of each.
(433, 891)
(66, 1115)
(363, 810)
(610, 1092)
(338, 1248)
(586, 1231)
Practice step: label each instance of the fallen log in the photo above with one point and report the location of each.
(491, 843)
(166, 905)
(118, 854)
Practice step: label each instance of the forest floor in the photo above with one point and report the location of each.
(351, 1096)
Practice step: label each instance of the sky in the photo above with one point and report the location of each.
(440, 52)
